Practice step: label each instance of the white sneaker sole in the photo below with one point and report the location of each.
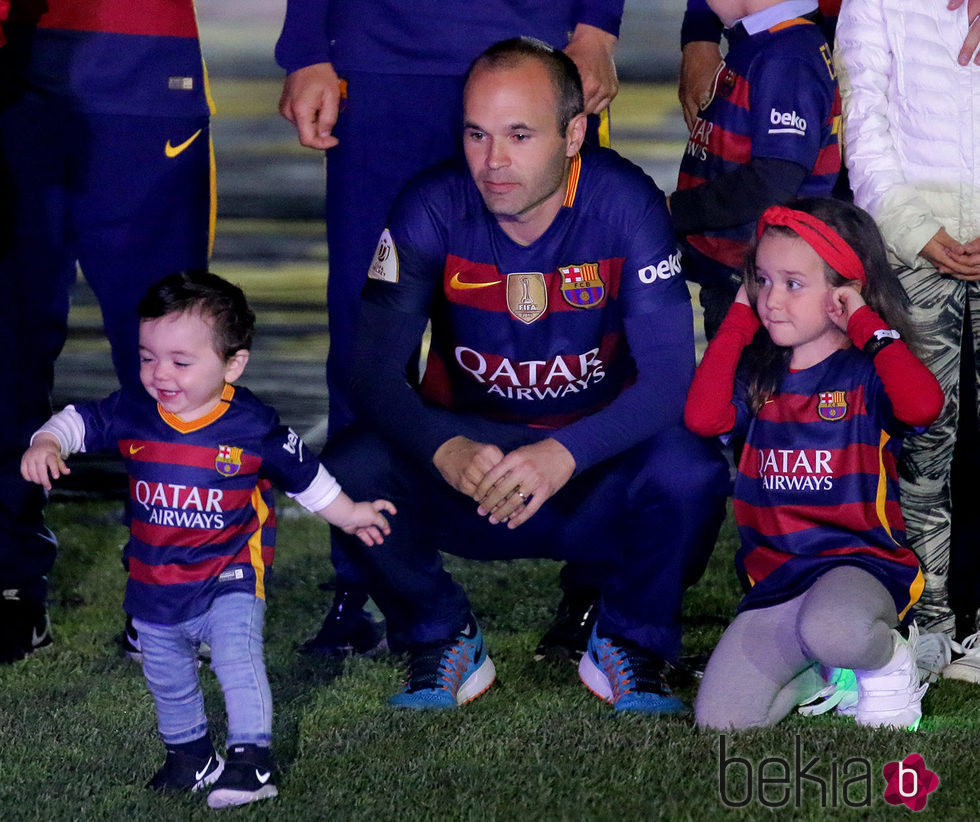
(966, 669)
(594, 679)
(228, 798)
(481, 679)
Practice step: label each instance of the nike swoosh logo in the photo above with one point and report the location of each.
(38, 641)
(134, 450)
(201, 773)
(173, 151)
(455, 282)
(262, 777)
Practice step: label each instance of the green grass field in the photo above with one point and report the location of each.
(78, 739)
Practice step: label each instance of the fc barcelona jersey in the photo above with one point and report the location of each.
(774, 97)
(535, 334)
(202, 511)
(817, 485)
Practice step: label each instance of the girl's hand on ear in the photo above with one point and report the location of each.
(842, 303)
(743, 296)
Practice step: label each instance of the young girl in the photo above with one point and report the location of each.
(824, 402)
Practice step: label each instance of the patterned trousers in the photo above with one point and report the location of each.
(938, 308)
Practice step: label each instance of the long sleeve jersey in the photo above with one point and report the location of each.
(585, 335)
(817, 482)
(203, 520)
(421, 37)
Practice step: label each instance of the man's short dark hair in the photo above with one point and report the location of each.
(214, 297)
(565, 79)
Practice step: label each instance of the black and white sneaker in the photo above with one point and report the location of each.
(26, 626)
(247, 777)
(568, 637)
(187, 772)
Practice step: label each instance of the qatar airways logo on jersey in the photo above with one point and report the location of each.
(789, 469)
(532, 379)
(697, 145)
(180, 506)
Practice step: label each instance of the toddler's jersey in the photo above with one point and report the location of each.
(817, 484)
(202, 510)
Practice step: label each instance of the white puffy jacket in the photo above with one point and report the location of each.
(911, 120)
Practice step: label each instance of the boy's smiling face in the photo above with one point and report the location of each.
(179, 366)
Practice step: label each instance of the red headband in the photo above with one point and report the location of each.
(831, 247)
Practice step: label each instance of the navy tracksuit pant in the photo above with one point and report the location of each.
(652, 513)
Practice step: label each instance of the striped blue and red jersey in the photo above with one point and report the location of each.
(202, 510)
(817, 484)
(107, 56)
(537, 335)
(775, 97)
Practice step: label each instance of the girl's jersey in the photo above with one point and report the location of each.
(817, 484)
(203, 520)
(107, 56)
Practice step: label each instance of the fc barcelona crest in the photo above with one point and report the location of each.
(527, 296)
(229, 460)
(581, 285)
(832, 405)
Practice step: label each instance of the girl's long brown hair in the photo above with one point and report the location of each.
(765, 362)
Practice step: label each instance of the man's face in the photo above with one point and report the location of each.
(514, 151)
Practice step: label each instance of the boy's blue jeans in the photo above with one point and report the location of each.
(232, 626)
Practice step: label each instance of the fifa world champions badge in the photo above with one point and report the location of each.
(832, 405)
(527, 296)
(581, 285)
(229, 460)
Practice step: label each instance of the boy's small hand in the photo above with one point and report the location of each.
(367, 522)
(42, 462)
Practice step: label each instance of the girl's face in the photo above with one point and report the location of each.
(795, 298)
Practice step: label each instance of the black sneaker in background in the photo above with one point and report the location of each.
(347, 629)
(568, 636)
(247, 777)
(186, 772)
(26, 626)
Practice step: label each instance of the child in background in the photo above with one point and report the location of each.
(828, 398)
(767, 134)
(201, 453)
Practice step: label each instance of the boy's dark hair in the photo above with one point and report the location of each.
(565, 79)
(214, 297)
(882, 290)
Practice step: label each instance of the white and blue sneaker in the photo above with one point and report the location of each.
(628, 677)
(447, 674)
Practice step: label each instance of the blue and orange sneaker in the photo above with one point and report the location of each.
(447, 674)
(627, 676)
